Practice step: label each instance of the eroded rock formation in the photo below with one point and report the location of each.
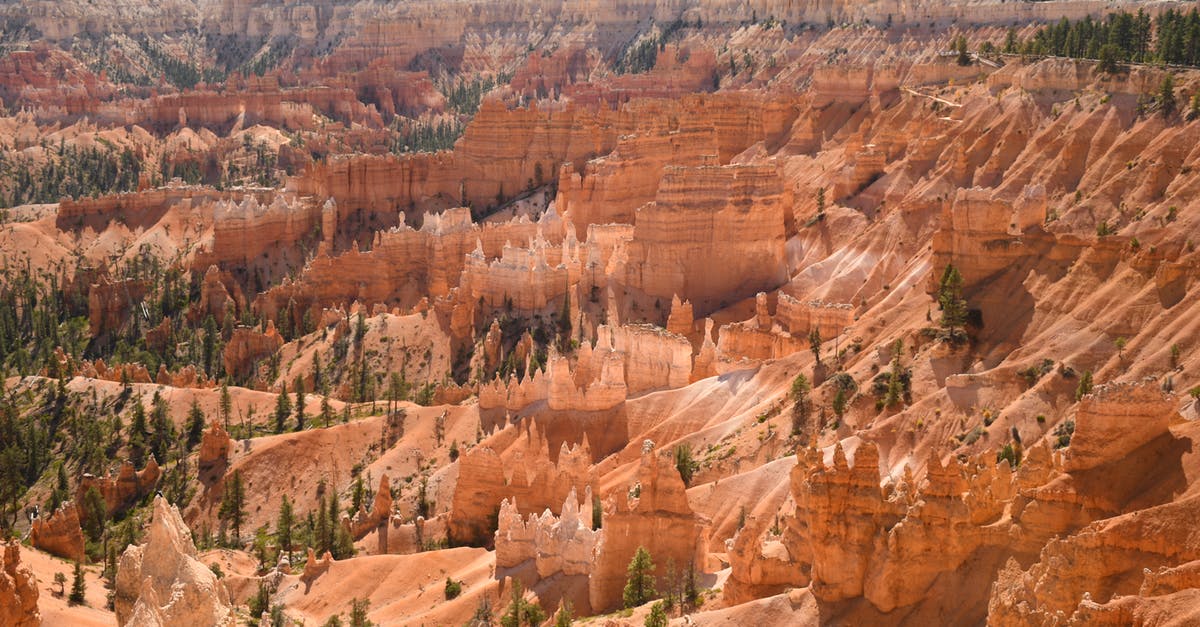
(18, 591)
(59, 533)
(161, 582)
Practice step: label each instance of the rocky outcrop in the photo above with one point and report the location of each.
(162, 582)
(556, 545)
(610, 188)
(18, 591)
(406, 264)
(1117, 418)
(110, 302)
(525, 475)
(124, 490)
(247, 346)
(713, 236)
(215, 446)
(381, 511)
(245, 230)
(658, 518)
(59, 534)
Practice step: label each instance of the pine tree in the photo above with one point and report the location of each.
(521, 612)
(814, 343)
(685, 463)
(358, 613)
(299, 404)
(564, 616)
(564, 321)
(226, 405)
(93, 513)
(657, 616)
(283, 528)
(137, 435)
(195, 425)
(960, 46)
(1166, 95)
(321, 534)
(839, 403)
(209, 344)
(283, 409)
(639, 587)
(954, 308)
(233, 505)
(800, 410)
(78, 587)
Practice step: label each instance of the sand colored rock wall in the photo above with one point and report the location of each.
(59, 533)
(523, 473)
(679, 249)
(18, 591)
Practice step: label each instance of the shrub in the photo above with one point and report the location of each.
(453, 588)
(1063, 433)
(685, 463)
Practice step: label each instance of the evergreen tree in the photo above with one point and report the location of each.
(839, 403)
(195, 429)
(358, 613)
(800, 410)
(685, 463)
(93, 514)
(657, 616)
(137, 435)
(322, 539)
(960, 47)
(233, 505)
(209, 345)
(78, 587)
(814, 344)
(1085, 385)
(283, 528)
(326, 410)
(1166, 96)
(954, 308)
(299, 404)
(283, 409)
(639, 587)
(564, 616)
(226, 405)
(164, 430)
(521, 612)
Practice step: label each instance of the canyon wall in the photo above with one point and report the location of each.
(712, 236)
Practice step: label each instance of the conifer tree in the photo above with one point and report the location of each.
(639, 587)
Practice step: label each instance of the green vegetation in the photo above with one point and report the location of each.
(1063, 433)
(78, 587)
(453, 588)
(657, 616)
(639, 586)
(894, 386)
(953, 306)
(521, 612)
(685, 463)
(67, 172)
(1172, 38)
(1085, 385)
(800, 409)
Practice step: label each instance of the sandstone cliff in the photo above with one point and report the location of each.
(18, 591)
